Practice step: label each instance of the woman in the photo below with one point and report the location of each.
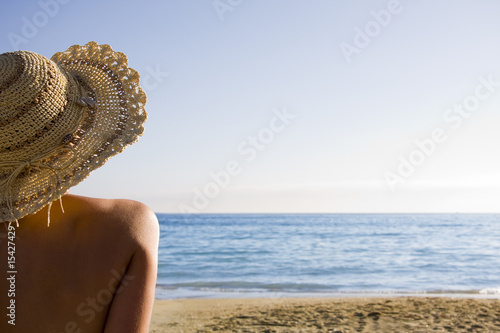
(73, 264)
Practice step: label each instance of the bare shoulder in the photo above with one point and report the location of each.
(127, 218)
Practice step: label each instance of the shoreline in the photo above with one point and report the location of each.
(382, 313)
(186, 293)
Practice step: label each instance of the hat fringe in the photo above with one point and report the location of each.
(22, 167)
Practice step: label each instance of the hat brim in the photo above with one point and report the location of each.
(107, 129)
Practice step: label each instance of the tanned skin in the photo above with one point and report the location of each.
(92, 270)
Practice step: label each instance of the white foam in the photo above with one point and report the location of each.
(490, 291)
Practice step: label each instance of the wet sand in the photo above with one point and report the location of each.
(395, 314)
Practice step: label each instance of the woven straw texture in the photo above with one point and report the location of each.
(60, 119)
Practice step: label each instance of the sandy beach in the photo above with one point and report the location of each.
(395, 314)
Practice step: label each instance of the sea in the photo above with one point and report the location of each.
(294, 255)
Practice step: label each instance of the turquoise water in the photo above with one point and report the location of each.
(247, 255)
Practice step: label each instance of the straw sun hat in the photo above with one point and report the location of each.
(60, 119)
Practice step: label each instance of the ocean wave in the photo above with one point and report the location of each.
(490, 291)
(243, 286)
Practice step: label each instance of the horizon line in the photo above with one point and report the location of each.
(321, 213)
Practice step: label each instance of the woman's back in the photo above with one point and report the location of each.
(87, 268)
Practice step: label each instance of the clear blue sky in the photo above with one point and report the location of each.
(295, 105)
